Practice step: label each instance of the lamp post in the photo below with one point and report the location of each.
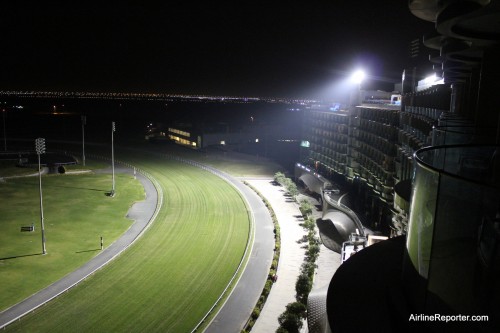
(84, 122)
(113, 129)
(40, 149)
(4, 132)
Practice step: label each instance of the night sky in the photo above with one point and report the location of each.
(180, 47)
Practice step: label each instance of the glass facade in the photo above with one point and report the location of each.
(453, 240)
(370, 146)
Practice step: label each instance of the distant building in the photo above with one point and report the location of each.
(230, 139)
(185, 136)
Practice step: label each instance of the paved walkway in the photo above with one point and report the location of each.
(291, 255)
(141, 212)
(328, 261)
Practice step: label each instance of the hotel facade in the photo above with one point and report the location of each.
(427, 172)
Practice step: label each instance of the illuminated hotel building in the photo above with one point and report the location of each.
(372, 146)
(362, 145)
(432, 167)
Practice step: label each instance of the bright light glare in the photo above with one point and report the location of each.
(431, 79)
(358, 76)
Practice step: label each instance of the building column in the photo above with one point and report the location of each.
(487, 111)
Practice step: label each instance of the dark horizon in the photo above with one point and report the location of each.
(245, 50)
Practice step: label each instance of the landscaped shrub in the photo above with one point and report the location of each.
(308, 268)
(303, 287)
(250, 324)
(312, 252)
(297, 308)
(289, 322)
(306, 208)
(286, 182)
(255, 313)
(291, 319)
(309, 223)
(292, 189)
(311, 237)
(279, 177)
(267, 288)
(260, 303)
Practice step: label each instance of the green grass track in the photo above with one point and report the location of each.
(170, 277)
(73, 235)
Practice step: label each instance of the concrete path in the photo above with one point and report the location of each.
(328, 261)
(141, 212)
(291, 255)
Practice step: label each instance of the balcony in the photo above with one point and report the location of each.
(456, 191)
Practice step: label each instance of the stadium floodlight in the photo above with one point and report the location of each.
(40, 149)
(358, 76)
(4, 132)
(113, 129)
(356, 79)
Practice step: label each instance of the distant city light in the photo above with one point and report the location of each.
(149, 96)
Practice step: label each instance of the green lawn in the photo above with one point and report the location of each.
(9, 169)
(169, 279)
(235, 164)
(76, 213)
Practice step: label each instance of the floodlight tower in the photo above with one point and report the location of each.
(113, 129)
(357, 78)
(84, 122)
(4, 132)
(40, 149)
